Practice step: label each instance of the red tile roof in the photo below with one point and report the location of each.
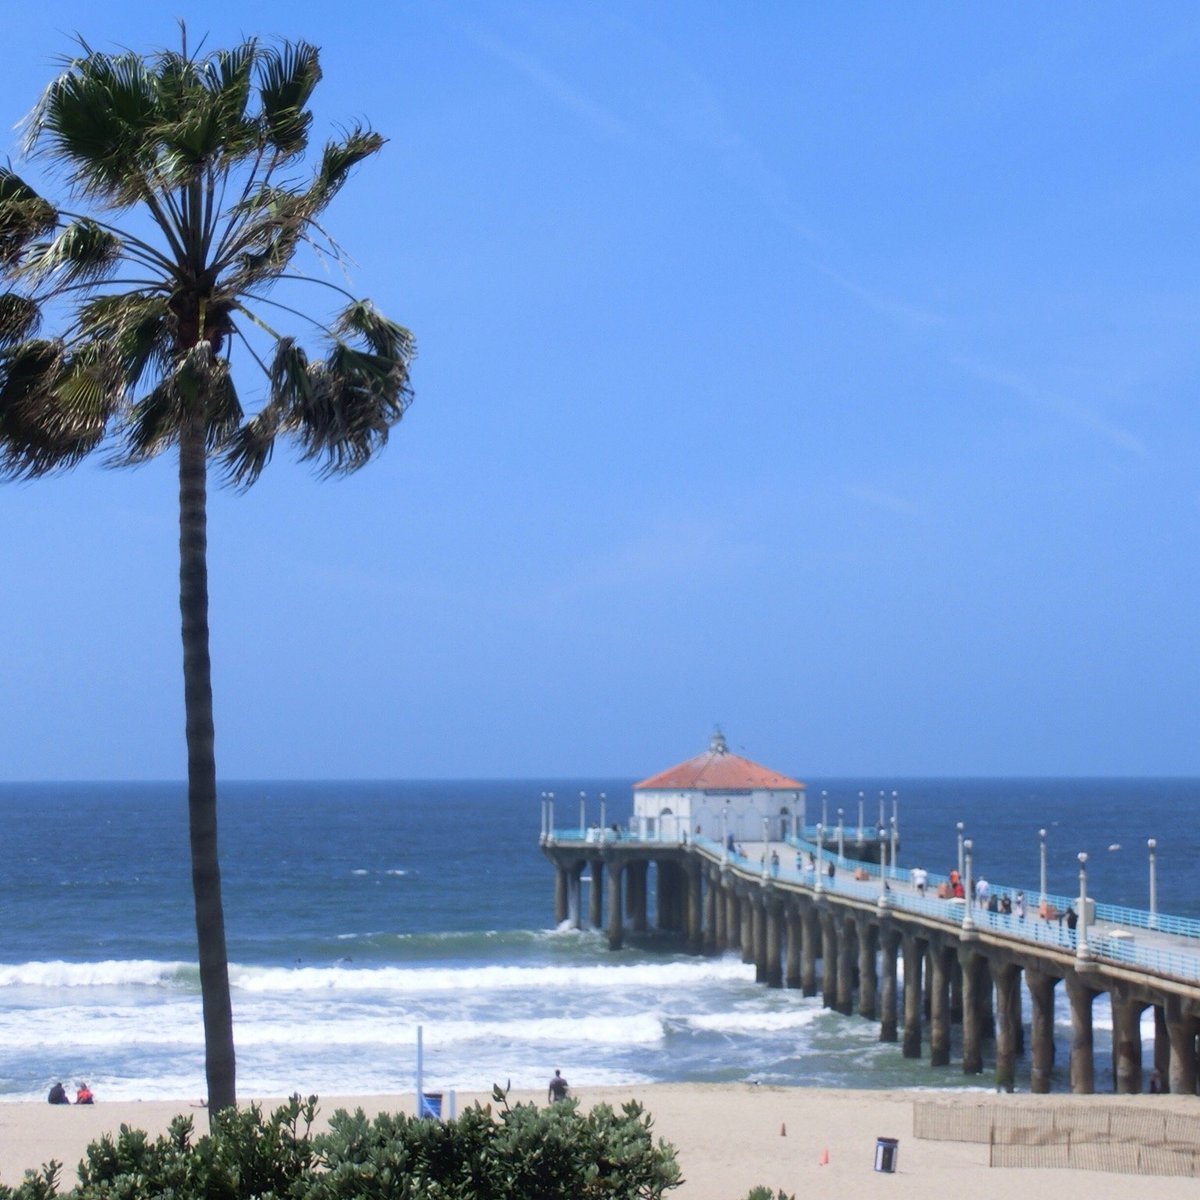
(717, 770)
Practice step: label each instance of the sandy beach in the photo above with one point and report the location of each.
(729, 1138)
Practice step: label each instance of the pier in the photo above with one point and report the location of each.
(812, 916)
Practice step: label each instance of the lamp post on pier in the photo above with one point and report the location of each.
(880, 825)
(896, 809)
(603, 818)
(968, 889)
(582, 814)
(550, 816)
(819, 868)
(1082, 949)
(959, 827)
(825, 809)
(860, 817)
(1152, 846)
(883, 887)
(892, 858)
(1042, 843)
(841, 839)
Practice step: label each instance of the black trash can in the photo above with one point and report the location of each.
(886, 1150)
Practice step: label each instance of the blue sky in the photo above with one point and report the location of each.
(825, 372)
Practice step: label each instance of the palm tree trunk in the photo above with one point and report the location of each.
(219, 1062)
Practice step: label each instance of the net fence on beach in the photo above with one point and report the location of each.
(1129, 1140)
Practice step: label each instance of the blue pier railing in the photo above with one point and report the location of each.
(1112, 930)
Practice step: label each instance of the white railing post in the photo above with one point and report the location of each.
(1042, 846)
(1152, 846)
(968, 922)
(819, 869)
(1082, 949)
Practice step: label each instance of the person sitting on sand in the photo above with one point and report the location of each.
(58, 1094)
(557, 1089)
(84, 1095)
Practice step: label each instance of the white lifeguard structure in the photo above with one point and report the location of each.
(718, 794)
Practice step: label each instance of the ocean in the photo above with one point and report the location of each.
(356, 912)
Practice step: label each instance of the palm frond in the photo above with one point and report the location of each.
(139, 326)
(54, 409)
(384, 337)
(24, 216)
(249, 449)
(354, 399)
(81, 251)
(20, 318)
(94, 119)
(287, 77)
(338, 159)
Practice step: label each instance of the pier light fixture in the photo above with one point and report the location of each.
(880, 808)
(861, 799)
(825, 809)
(550, 815)
(1042, 845)
(968, 887)
(1082, 950)
(1152, 846)
(603, 817)
(582, 815)
(896, 809)
(883, 888)
(895, 839)
(959, 826)
(543, 816)
(819, 867)
(841, 837)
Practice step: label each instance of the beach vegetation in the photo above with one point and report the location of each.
(490, 1152)
(149, 291)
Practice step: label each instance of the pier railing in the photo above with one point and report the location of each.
(1175, 953)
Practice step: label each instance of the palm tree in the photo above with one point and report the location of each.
(188, 213)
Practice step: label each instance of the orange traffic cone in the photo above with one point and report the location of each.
(824, 1161)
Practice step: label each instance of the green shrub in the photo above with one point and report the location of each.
(528, 1152)
(555, 1153)
(764, 1193)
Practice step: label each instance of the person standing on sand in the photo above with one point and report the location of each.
(557, 1089)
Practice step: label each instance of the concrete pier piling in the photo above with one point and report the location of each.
(844, 935)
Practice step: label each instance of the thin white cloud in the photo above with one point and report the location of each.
(885, 500)
(896, 311)
(558, 89)
(671, 551)
(1073, 411)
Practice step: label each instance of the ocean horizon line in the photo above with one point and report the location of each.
(543, 780)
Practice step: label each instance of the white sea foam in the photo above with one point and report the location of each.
(754, 1022)
(111, 973)
(415, 980)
